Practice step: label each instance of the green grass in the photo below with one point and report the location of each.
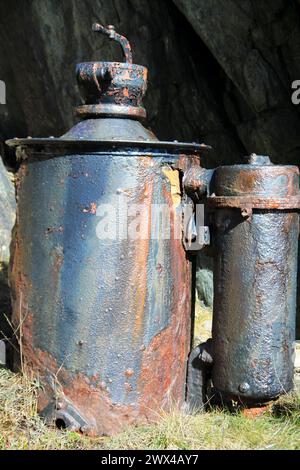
(21, 427)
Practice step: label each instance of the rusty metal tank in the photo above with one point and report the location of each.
(256, 230)
(105, 317)
(252, 210)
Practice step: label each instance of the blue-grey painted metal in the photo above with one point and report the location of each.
(103, 316)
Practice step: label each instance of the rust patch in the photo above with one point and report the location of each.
(88, 396)
(129, 372)
(163, 370)
(252, 413)
(187, 161)
(22, 172)
(252, 202)
(92, 209)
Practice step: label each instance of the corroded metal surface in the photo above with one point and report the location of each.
(255, 303)
(106, 323)
(292, 202)
(112, 88)
(255, 281)
(265, 181)
(105, 319)
(259, 185)
(254, 220)
(197, 182)
(112, 34)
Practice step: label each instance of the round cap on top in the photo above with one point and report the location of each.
(112, 88)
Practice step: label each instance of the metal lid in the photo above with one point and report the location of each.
(112, 88)
(257, 184)
(258, 177)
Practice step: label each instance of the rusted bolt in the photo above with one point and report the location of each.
(246, 211)
(128, 387)
(103, 385)
(244, 387)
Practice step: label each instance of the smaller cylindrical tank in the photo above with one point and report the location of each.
(255, 232)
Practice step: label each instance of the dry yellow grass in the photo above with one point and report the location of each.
(21, 427)
(203, 322)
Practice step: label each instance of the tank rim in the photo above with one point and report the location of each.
(76, 143)
(112, 63)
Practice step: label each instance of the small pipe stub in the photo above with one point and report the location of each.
(112, 89)
(112, 34)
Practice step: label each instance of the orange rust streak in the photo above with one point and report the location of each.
(140, 263)
(163, 369)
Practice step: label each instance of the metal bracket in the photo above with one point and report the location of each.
(64, 415)
(199, 371)
(204, 235)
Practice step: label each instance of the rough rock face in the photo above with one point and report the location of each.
(7, 219)
(42, 40)
(220, 70)
(204, 279)
(257, 45)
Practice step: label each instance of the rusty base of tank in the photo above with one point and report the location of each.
(256, 412)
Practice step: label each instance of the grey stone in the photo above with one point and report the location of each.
(7, 212)
(7, 219)
(2, 354)
(204, 283)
